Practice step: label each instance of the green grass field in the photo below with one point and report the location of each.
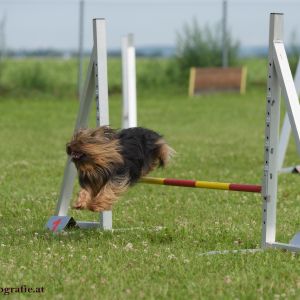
(217, 138)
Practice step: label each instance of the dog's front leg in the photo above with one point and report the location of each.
(82, 200)
(102, 201)
(108, 194)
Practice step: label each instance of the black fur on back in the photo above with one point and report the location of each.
(140, 150)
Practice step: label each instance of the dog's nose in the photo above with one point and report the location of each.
(76, 155)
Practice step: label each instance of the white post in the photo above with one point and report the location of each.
(224, 35)
(80, 47)
(100, 67)
(270, 176)
(286, 127)
(2, 38)
(129, 114)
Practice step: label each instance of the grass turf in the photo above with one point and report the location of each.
(217, 138)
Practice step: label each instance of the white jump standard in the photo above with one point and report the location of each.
(95, 83)
(279, 78)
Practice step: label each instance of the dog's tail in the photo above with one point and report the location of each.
(165, 153)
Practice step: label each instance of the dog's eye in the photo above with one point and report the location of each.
(68, 150)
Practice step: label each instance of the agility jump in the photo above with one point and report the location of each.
(279, 79)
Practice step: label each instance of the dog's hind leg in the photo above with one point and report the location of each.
(165, 153)
(161, 155)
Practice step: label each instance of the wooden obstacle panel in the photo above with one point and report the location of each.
(209, 80)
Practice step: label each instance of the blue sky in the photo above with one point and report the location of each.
(34, 24)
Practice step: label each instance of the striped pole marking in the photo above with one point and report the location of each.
(203, 184)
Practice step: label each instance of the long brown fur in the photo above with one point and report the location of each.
(108, 162)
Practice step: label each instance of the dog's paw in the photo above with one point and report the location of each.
(79, 205)
(98, 207)
(82, 200)
(94, 207)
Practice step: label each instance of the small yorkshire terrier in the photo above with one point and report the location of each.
(109, 161)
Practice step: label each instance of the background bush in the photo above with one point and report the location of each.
(195, 46)
(57, 77)
(202, 47)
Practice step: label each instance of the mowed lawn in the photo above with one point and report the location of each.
(217, 138)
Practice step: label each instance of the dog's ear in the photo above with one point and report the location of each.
(109, 133)
(104, 132)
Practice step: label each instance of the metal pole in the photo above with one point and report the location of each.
(100, 64)
(2, 38)
(129, 115)
(224, 35)
(270, 176)
(80, 47)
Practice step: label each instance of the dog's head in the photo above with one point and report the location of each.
(95, 153)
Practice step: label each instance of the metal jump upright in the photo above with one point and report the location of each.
(95, 85)
(279, 79)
